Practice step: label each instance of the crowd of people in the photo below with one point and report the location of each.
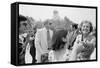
(41, 45)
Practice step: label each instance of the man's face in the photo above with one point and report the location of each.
(23, 25)
(48, 25)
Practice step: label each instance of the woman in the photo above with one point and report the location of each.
(59, 50)
(84, 44)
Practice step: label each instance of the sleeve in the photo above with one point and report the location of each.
(90, 45)
(92, 41)
(37, 42)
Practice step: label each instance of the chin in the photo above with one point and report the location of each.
(85, 32)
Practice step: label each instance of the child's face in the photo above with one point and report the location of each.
(85, 28)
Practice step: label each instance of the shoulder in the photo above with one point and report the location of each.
(91, 37)
(42, 29)
(39, 30)
(91, 40)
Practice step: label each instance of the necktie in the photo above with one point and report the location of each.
(48, 39)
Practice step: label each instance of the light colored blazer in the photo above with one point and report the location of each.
(41, 42)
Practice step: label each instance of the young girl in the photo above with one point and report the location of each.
(84, 44)
(59, 49)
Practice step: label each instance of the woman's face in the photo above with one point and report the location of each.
(85, 28)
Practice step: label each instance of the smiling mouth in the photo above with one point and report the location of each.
(85, 30)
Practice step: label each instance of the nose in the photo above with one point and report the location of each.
(85, 27)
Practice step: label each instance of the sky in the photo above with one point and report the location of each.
(42, 13)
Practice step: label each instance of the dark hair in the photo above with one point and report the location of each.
(58, 43)
(21, 18)
(75, 26)
(91, 27)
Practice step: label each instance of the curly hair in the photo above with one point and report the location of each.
(91, 27)
(58, 43)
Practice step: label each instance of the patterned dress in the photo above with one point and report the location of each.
(83, 49)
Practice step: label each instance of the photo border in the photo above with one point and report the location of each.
(56, 5)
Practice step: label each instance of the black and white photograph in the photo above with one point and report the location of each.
(55, 34)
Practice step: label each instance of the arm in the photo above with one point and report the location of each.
(92, 41)
(89, 42)
(89, 45)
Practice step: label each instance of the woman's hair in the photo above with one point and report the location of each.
(58, 43)
(21, 18)
(91, 27)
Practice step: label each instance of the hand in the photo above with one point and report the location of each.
(78, 47)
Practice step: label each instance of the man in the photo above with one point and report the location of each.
(71, 36)
(22, 20)
(43, 40)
